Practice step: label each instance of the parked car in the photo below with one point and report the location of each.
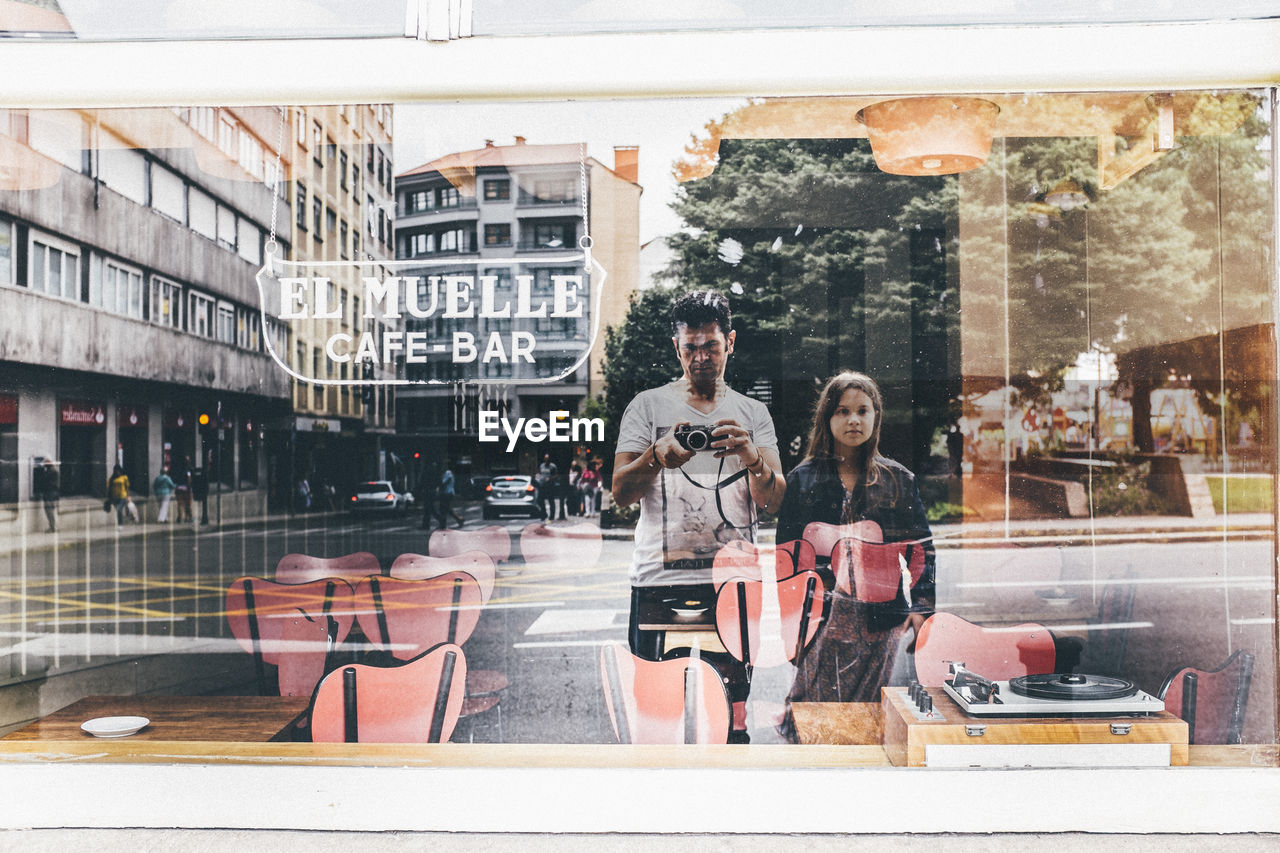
(514, 493)
(379, 496)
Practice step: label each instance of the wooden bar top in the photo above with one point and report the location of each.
(174, 718)
(839, 723)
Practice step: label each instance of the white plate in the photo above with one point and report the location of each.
(690, 612)
(114, 726)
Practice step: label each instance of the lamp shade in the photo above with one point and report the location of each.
(930, 136)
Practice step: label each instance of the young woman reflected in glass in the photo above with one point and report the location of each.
(852, 503)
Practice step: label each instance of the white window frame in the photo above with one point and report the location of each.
(69, 286)
(200, 314)
(161, 289)
(574, 797)
(224, 322)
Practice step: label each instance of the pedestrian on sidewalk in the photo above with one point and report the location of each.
(163, 488)
(200, 492)
(47, 488)
(444, 500)
(183, 490)
(118, 493)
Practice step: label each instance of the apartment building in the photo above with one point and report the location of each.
(130, 329)
(342, 209)
(509, 211)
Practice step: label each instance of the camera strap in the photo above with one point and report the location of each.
(720, 484)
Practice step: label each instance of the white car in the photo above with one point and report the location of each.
(379, 496)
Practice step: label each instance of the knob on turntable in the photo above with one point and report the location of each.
(1072, 686)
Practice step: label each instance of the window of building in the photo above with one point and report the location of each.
(248, 241)
(300, 127)
(448, 197)
(120, 289)
(317, 142)
(342, 238)
(54, 267)
(226, 227)
(342, 170)
(200, 314)
(355, 181)
(330, 150)
(497, 189)
(300, 207)
(6, 252)
(228, 135)
(166, 302)
(125, 171)
(225, 330)
(202, 214)
(317, 211)
(556, 191)
(497, 234)
(168, 193)
(549, 235)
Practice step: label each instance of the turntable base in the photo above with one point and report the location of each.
(947, 737)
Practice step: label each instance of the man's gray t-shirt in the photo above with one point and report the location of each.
(682, 525)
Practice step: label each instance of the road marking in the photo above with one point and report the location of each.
(1212, 580)
(556, 644)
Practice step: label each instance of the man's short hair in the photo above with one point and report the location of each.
(700, 307)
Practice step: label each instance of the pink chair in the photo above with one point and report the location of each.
(739, 623)
(407, 617)
(416, 702)
(801, 555)
(578, 545)
(994, 653)
(416, 567)
(303, 568)
(744, 561)
(492, 540)
(872, 571)
(823, 536)
(681, 700)
(293, 627)
(1212, 701)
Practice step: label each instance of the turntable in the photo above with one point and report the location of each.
(1048, 720)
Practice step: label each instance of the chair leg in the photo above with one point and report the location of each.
(442, 697)
(1241, 701)
(350, 723)
(617, 699)
(255, 638)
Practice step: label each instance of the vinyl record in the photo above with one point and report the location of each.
(1071, 686)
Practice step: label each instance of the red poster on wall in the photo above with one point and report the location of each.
(8, 409)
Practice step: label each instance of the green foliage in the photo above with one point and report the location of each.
(1123, 490)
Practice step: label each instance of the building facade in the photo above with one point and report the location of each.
(509, 211)
(341, 197)
(131, 329)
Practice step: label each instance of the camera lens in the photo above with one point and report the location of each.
(698, 439)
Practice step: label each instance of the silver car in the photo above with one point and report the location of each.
(379, 496)
(514, 493)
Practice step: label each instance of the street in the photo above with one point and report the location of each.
(77, 611)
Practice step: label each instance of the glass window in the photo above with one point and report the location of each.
(168, 194)
(226, 227)
(248, 241)
(125, 171)
(300, 207)
(6, 252)
(204, 214)
(166, 302)
(497, 189)
(200, 313)
(225, 330)
(54, 268)
(497, 234)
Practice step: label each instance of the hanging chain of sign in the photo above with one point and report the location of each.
(272, 246)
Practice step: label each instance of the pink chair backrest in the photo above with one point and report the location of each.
(396, 704)
(823, 537)
(303, 568)
(994, 653)
(478, 564)
(409, 617)
(1221, 697)
(492, 540)
(577, 545)
(791, 608)
(794, 557)
(872, 571)
(646, 699)
(290, 624)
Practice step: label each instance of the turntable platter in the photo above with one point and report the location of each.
(1072, 687)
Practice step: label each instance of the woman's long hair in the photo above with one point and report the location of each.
(823, 446)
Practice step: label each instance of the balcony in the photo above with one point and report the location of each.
(466, 210)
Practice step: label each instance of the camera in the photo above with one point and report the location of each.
(694, 436)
